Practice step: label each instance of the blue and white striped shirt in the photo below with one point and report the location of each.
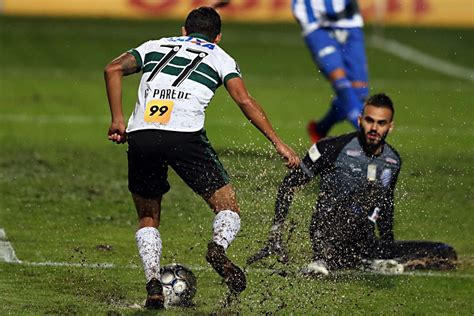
(313, 14)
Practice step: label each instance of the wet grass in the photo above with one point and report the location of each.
(64, 195)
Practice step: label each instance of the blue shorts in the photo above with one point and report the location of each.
(334, 48)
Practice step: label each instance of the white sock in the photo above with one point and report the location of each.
(149, 247)
(225, 227)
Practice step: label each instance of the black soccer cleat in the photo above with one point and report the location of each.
(233, 276)
(155, 298)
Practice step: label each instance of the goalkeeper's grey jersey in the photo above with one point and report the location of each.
(352, 179)
(179, 78)
(345, 167)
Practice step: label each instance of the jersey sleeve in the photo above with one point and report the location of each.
(228, 69)
(323, 154)
(140, 52)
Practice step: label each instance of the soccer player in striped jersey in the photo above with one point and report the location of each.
(332, 30)
(179, 76)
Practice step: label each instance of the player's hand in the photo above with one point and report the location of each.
(291, 158)
(117, 132)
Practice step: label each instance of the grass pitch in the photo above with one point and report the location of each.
(63, 186)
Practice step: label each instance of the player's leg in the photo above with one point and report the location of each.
(327, 52)
(225, 227)
(355, 64)
(412, 255)
(424, 255)
(198, 165)
(147, 183)
(149, 246)
(226, 223)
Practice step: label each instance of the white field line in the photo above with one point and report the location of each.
(104, 265)
(84, 119)
(7, 255)
(408, 53)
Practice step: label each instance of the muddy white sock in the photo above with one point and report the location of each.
(225, 227)
(149, 247)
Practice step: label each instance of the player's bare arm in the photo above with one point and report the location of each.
(121, 66)
(254, 112)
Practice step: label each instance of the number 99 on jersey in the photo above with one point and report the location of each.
(158, 111)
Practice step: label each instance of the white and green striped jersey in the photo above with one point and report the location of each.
(179, 78)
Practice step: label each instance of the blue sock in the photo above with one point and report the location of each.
(351, 105)
(362, 93)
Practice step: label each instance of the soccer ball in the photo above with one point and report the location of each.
(179, 285)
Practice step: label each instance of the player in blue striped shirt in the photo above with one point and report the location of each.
(332, 30)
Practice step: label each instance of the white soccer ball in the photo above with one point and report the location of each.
(179, 285)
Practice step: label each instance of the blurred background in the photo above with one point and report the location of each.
(395, 12)
(64, 203)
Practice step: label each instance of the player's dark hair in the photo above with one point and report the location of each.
(203, 20)
(381, 100)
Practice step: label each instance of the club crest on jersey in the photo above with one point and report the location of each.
(386, 177)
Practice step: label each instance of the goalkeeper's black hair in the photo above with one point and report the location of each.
(204, 20)
(381, 100)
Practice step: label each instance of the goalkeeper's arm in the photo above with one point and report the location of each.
(295, 179)
(307, 170)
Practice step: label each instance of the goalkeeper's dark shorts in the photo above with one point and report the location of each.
(190, 154)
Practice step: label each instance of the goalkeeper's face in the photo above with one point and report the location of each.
(375, 123)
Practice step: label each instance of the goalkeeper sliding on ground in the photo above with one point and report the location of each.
(358, 177)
